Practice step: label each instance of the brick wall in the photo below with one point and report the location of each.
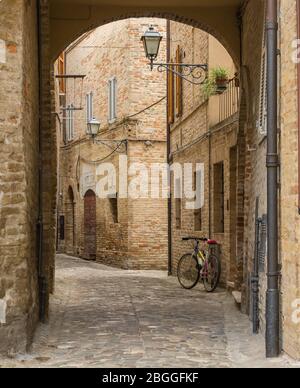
(18, 157)
(18, 171)
(199, 137)
(290, 228)
(139, 238)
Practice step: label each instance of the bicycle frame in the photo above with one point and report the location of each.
(201, 256)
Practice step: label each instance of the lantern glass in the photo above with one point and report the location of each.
(93, 127)
(151, 40)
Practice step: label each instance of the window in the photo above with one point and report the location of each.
(112, 99)
(62, 71)
(198, 220)
(89, 107)
(62, 228)
(262, 115)
(175, 101)
(171, 113)
(178, 102)
(178, 207)
(2, 51)
(219, 197)
(197, 212)
(178, 204)
(114, 209)
(70, 122)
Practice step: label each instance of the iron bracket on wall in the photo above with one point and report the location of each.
(196, 72)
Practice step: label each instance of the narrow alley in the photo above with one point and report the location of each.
(103, 317)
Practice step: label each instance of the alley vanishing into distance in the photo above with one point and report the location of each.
(105, 317)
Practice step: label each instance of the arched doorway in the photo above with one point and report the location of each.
(90, 228)
(70, 222)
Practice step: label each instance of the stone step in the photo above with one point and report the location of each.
(237, 296)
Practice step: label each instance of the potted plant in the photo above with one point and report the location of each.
(216, 83)
(220, 77)
(209, 88)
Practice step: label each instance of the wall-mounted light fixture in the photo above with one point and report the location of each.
(193, 73)
(93, 128)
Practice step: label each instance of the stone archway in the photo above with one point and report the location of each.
(65, 31)
(211, 16)
(69, 23)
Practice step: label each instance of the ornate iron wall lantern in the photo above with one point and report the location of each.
(193, 73)
(93, 128)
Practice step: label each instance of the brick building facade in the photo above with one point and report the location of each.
(27, 144)
(205, 131)
(122, 232)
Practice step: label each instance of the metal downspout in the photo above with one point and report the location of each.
(169, 158)
(272, 307)
(40, 225)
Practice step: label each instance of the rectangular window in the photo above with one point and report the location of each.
(62, 227)
(89, 107)
(2, 51)
(197, 212)
(114, 209)
(62, 71)
(112, 99)
(171, 96)
(70, 123)
(198, 220)
(262, 119)
(178, 207)
(219, 198)
(178, 204)
(262, 111)
(178, 102)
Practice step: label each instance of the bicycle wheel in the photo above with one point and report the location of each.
(188, 271)
(211, 273)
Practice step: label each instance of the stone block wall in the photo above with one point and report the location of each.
(139, 239)
(18, 174)
(290, 219)
(195, 140)
(253, 18)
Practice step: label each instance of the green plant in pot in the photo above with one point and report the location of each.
(221, 78)
(216, 83)
(209, 88)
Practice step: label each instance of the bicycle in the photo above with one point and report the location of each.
(199, 264)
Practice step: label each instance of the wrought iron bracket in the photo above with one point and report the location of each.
(196, 72)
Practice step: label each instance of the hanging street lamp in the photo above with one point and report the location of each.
(193, 73)
(93, 128)
(151, 40)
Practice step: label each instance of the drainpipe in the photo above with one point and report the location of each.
(272, 308)
(169, 157)
(255, 274)
(40, 224)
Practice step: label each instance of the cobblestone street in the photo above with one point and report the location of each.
(102, 317)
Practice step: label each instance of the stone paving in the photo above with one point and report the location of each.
(103, 317)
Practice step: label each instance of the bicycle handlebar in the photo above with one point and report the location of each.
(204, 239)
